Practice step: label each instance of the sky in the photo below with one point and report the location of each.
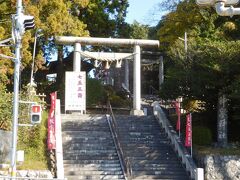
(144, 11)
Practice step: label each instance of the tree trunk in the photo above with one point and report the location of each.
(222, 118)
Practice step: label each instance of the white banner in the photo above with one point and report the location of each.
(75, 91)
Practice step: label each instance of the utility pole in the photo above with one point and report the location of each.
(21, 23)
(16, 87)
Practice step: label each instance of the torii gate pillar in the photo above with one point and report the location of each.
(126, 74)
(161, 72)
(77, 57)
(137, 82)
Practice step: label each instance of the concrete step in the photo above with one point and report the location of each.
(90, 172)
(160, 177)
(160, 159)
(84, 128)
(76, 146)
(92, 141)
(150, 153)
(153, 146)
(163, 172)
(149, 148)
(87, 168)
(92, 161)
(134, 118)
(95, 166)
(94, 151)
(83, 117)
(144, 138)
(141, 134)
(145, 142)
(101, 121)
(86, 134)
(69, 138)
(162, 137)
(163, 167)
(88, 148)
(90, 157)
(96, 177)
(87, 125)
(167, 161)
(142, 126)
(155, 165)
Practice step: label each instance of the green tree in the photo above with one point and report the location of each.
(138, 31)
(105, 18)
(208, 71)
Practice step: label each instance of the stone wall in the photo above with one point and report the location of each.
(222, 167)
(5, 146)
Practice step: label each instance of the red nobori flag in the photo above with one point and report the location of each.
(188, 139)
(177, 106)
(51, 142)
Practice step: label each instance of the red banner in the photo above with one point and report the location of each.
(177, 106)
(53, 100)
(188, 139)
(51, 142)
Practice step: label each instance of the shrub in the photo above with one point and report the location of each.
(5, 109)
(202, 135)
(95, 92)
(117, 101)
(32, 139)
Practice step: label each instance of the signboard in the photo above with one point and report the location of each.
(75, 91)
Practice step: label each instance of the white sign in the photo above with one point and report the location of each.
(75, 91)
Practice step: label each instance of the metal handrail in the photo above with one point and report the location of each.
(124, 161)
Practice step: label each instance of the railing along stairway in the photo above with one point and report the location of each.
(124, 160)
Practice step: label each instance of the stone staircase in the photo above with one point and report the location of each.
(88, 148)
(149, 151)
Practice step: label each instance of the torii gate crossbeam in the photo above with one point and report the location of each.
(136, 43)
(67, 40)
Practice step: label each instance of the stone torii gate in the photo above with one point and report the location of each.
(135, 43)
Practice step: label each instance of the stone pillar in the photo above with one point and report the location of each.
(77, 57)
(126, 75)
(137, 82)
(222, 119)
(161, 72)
